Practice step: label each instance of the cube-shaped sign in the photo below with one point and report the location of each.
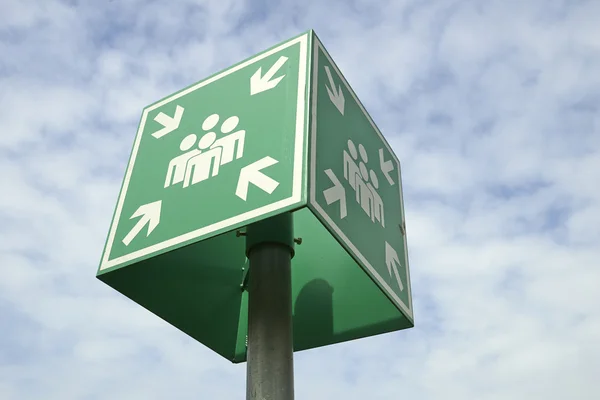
(279, 132)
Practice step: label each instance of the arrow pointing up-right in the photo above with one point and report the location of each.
(150, 215)
(392, 261)
(336, 193)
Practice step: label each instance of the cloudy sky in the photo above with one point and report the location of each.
(491, 106)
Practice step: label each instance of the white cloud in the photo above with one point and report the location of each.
(492, 108)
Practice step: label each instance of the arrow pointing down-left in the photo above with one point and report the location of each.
(150, 214)
(335, 94)
(260, 83)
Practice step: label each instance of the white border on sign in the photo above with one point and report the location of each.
(297, 168)
(407, 308)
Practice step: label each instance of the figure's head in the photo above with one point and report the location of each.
(229, 124)
(207, 140)
(352, 150)
(374, 179)
(210, 122)
(188, 142)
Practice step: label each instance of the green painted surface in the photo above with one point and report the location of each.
(332, 298)
(196, 283)
(189, 181)
(195, 288)
(353, 165)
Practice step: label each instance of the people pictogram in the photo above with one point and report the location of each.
(199, 167)
(231, 142)
(364, 181)
(177, 166)
(198, 164)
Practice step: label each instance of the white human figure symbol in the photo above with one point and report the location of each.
(363, 194)
(198, 167)
(177, 166)
(373, 185)
(228, 142)
(350, 168)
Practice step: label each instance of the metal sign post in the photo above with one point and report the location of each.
(270, 360)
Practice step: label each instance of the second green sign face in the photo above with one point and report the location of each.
(355, 184)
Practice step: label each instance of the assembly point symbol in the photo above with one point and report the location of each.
(363, 181)
(199, 163)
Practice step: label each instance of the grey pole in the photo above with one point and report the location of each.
(270, 362)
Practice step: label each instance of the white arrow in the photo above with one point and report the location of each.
(386, 167)
(150, 214)
(169, 123)
(392, 261)
(260, 84)
(251, 174)
(335, 95)
(336, 193)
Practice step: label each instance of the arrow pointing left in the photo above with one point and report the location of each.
(252, 174)
(392, 261)
(169, 123)
(150, 214)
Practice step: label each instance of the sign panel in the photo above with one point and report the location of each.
(355, 182)
(215, 156)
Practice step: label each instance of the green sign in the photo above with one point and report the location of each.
(355, 184)
(279, 132)
(205, 160)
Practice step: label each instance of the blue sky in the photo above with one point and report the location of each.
(491, 106)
